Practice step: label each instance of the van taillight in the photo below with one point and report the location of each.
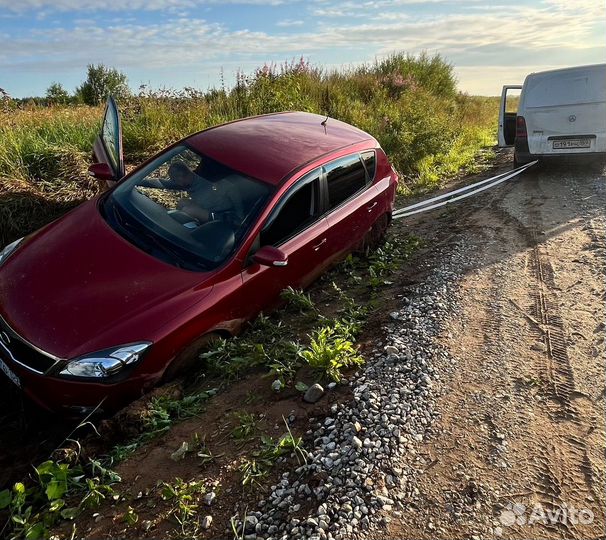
(521, 132)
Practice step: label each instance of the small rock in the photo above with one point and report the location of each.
(206, 522)
(209, 498)
(277, 385)
(313, 393)
(539, 346)
(356, 442)
(250, 523)
(332, 385)
(390, 349)
(180, 452)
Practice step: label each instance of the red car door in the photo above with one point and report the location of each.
(353, 203)
(296, 227)
(107, 149)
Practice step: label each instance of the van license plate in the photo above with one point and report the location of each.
(572, 143)
(9, 373)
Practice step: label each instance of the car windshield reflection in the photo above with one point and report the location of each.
(186, 208)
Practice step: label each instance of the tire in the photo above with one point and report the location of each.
(188, 358)
(376, 236)
(516, 163)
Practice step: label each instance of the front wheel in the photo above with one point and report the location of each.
(189, 357)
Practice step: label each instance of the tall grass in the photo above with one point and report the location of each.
(410, 104)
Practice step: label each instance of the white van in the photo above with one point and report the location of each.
(560, 113)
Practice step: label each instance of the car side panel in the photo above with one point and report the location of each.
(308, 257)
(349, 223)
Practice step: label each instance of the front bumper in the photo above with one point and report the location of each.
(68, 396)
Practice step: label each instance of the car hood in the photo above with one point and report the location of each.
(77, 286)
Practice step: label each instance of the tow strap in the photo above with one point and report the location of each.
(453, 196)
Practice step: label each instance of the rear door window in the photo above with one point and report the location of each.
(344, 178)
(568, 89)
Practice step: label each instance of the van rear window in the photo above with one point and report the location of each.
(566, 90)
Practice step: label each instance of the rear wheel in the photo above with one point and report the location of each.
(376, 236)
(189, 357)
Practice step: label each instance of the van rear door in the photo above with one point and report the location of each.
(565, 111)
(507, 115)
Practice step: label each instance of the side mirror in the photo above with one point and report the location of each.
(101, 171)
(270, 256)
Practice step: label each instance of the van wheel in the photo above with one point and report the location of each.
(189, 357)
(516, 163)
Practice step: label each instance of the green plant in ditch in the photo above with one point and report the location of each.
(381, 263)
(34, 509)
(161, 414)
(330, 351)
(297, 299)
(386, 259)
(246, 426)
(285, 361)
(259, 464)
(130, 516)
(183, 498)
(233, 357)
(265, 343)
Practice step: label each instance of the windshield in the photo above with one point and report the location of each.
(186, 209)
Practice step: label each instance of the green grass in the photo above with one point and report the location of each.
(410, 104)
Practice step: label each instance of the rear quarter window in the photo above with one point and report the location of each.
(345, 177)
(370, 163)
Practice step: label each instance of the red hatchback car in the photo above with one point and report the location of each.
(120, 293)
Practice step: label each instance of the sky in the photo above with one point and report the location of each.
(179, 43)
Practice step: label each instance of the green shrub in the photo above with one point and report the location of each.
(329, 352)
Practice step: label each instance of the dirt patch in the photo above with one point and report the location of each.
(518, 450)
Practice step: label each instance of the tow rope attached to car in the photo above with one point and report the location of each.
(453, 196)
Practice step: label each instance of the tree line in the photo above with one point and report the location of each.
(100, 82)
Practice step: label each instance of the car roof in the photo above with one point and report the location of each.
(269, 147)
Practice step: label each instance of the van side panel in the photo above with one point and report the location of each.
(565, 105)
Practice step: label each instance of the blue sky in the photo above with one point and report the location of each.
(177, 43)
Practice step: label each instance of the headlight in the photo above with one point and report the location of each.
(4, 254)
(106, 363)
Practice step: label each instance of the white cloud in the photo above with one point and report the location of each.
(290, 22)
(22, 6)
(483, 45)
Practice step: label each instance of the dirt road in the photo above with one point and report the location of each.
(518, 450)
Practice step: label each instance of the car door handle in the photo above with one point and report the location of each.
(318, 246)
(369, 208)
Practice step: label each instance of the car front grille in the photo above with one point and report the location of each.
(23, 352)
